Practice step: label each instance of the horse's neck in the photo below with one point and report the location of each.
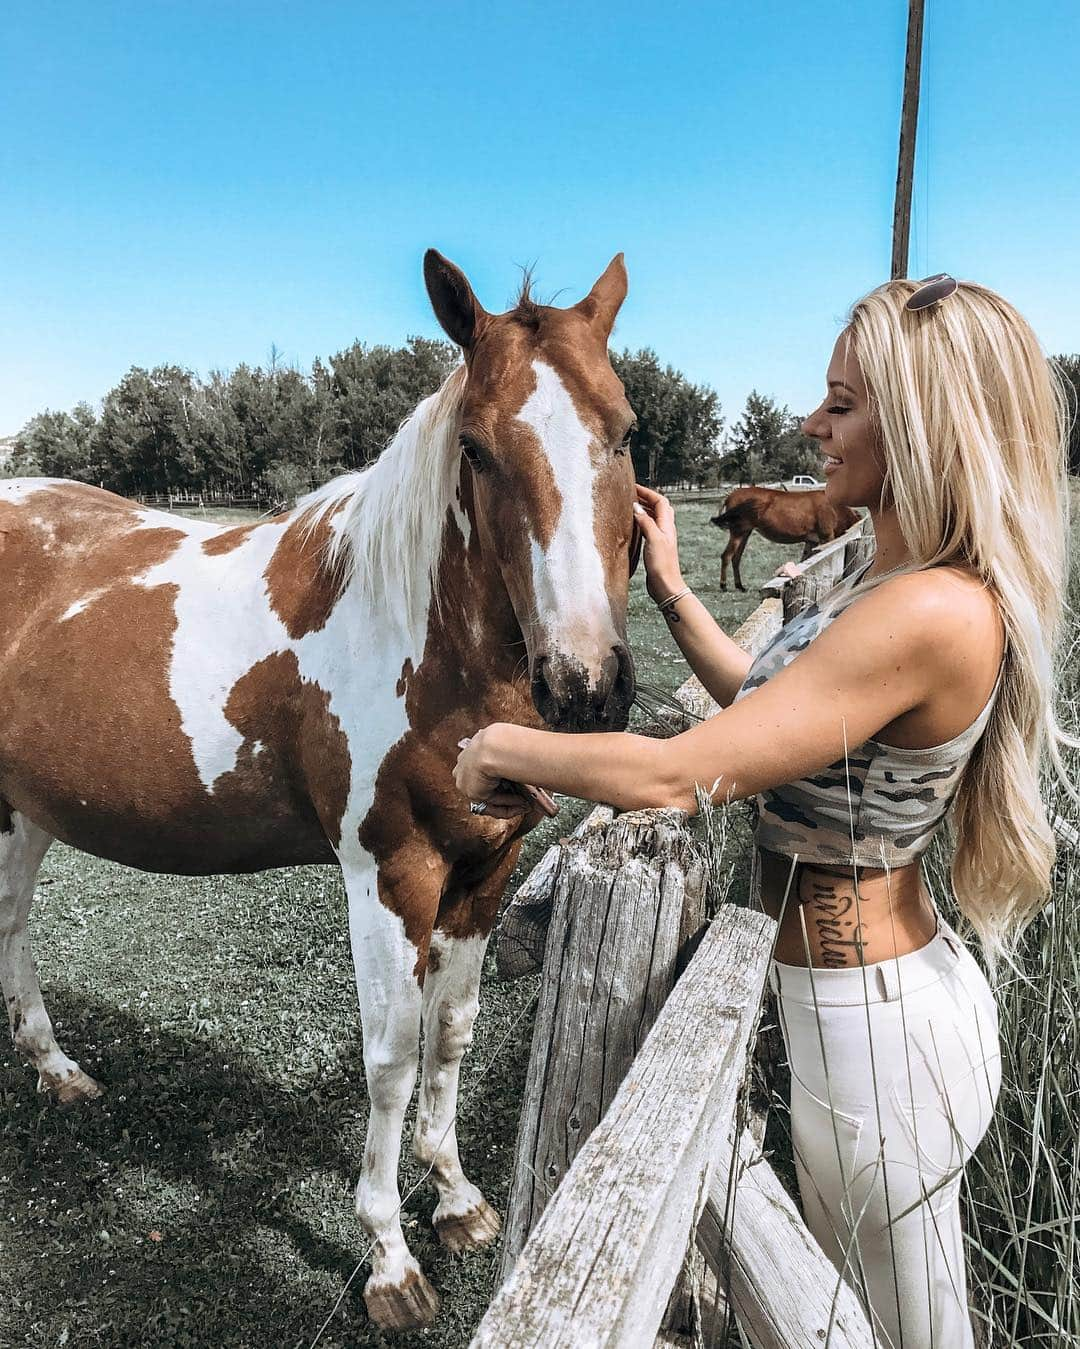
(472, 626)
(471, 612)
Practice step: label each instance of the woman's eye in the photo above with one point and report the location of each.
(838, 409)
(472, 453)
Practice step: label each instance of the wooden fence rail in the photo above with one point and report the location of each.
(600, 1264)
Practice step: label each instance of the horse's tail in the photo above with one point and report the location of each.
(728, 513)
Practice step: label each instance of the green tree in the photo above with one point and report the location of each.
(148, 432)
(755, 438)
(59, 445)
(766, 443)
(679, 423)
(373, 390)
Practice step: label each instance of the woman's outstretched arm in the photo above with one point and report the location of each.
(717, 661)
(909, 643)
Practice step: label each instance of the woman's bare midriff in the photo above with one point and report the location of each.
(889, 913)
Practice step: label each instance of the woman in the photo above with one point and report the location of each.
(923, 682)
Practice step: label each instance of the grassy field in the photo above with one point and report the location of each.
(207, 1199)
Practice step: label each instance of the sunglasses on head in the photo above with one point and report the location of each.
(933, 289)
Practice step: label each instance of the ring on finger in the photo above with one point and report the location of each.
(478, 807)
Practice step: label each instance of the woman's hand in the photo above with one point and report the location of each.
(501, 799)
(656, 520)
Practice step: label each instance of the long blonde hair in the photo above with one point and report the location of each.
(974, 426)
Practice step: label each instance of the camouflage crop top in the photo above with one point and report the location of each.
(883, 805)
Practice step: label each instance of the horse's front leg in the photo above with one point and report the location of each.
(463, 1218)
(388, 962)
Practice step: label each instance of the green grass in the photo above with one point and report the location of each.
(221, 1016)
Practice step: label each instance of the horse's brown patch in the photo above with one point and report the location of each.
(228, 539)
(302, 592)
(304, 749)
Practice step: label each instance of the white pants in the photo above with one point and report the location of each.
(894, 1076)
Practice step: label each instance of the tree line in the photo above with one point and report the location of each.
(270, 433)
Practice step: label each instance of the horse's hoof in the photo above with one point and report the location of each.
(470, 1230)
(407, 1305)
(75, 1089)
(742, 588)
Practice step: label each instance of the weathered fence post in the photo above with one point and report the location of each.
(599, 1266)
(617, 925)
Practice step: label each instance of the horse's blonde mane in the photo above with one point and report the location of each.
(386, 521)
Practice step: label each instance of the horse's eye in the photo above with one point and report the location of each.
(628, 439)
(472, 453)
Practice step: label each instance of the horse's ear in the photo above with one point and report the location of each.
(456, 307)
(604, 300)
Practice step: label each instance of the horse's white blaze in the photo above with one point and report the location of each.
(569, 587)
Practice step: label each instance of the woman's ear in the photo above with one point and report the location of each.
(456, 307)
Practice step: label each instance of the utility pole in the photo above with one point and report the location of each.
(909, 119)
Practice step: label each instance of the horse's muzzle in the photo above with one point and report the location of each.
(568, 700)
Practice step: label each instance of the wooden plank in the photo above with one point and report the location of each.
(823, 559)
(601, 1262)
(617, 928)
(784, 1290)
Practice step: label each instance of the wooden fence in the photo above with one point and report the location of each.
(640, 1202)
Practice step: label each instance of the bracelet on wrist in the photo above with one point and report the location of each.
(667, 607)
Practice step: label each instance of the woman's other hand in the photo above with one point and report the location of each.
(656, 520)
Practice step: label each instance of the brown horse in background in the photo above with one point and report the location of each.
(783, 517)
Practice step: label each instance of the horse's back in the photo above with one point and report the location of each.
(107, 734)
(62, 541)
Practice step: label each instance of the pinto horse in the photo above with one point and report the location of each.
(184, 698)
(783, 517)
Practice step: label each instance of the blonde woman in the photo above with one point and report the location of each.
(919, 689)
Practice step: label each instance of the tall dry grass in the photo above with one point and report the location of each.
(1022, 1191)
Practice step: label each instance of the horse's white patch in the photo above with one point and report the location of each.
(213, 646)
(569, 587)
(80, 605)
(18, 490)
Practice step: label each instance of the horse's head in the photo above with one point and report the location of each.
(545, 435)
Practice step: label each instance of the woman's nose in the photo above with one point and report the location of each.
(816, 425)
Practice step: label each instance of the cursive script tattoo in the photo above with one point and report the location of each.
(831, 915)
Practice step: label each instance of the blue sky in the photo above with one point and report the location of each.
(195, 182)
